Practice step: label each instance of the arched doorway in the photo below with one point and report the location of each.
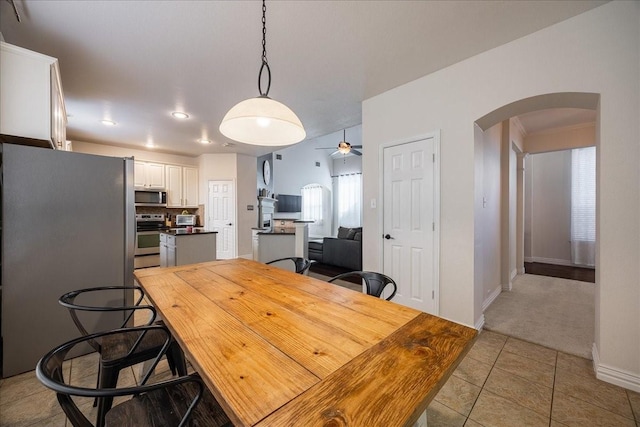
(499, 209)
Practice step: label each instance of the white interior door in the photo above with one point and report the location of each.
(222, 217)
(410, 250)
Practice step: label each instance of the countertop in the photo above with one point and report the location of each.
(185, 232)
(275, 233)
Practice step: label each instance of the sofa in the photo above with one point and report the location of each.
(343, 251)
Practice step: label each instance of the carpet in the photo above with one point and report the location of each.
(556, 313)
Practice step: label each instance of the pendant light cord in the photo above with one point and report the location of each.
(264, 54)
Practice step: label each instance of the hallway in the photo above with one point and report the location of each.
(554, 312)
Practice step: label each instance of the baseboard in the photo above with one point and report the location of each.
(492, 297)
(514, 273)
(550, 261)
(480, 323)
(246, 256)
(614, 376)
(521, 270)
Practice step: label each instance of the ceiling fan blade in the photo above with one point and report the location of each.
(334, 153)
(325, 148)
(356, 152)
(356, 146)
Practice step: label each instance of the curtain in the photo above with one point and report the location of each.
(583, 206)
(312, 208)
(350, 200)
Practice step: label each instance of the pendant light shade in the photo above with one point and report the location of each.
(262, 121)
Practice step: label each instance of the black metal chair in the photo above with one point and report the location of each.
(374, 282)
(114, 351)
(176, 402)
(301, 264)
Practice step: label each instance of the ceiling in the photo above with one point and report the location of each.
(554, 118)
(135, 62)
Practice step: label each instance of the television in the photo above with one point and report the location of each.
(288, 203)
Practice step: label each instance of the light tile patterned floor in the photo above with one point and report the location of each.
(501, 382)
(507, 382)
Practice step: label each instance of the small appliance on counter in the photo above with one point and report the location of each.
(185, 220)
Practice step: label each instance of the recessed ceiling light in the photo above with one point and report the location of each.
(180, 115)
(108, 122)
(204, 141)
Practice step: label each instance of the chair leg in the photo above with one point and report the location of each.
(95, 401)
(175, 357)
(108, 379)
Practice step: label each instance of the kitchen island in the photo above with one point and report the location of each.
(281, 242)
(182, 246)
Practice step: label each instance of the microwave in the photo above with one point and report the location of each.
(150, 198)
(185, 220)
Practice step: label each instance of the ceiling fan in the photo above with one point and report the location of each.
(343, 147)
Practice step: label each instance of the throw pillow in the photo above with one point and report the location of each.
(358, 236)
(343, 233)
(353, 231)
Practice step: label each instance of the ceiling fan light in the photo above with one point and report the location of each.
(262, 121)
(344, 147)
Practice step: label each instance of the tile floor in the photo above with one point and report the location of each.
(504, 381)
(25, 402)
(501, 382)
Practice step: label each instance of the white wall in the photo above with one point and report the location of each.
(561, 139)
(595, 52)
(551, 174)
(490, 217)
(550, 195)
(241, 169)
(516, 197)
(246, 195)
(297, 168)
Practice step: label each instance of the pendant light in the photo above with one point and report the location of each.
(261, 120)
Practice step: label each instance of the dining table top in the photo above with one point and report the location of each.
(283, 349)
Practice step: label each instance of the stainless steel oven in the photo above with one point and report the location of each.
(148, 227)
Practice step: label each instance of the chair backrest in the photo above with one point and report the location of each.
(374, 282)
(50, 373)
(103, 293)
(301, 264)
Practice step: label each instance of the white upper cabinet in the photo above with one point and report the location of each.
(182, 186)
(190, 186)
(149, 175)
(174, 186)
(31, 98)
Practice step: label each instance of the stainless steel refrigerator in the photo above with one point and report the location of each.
(68, 222)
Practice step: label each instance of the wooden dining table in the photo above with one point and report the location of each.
(283, 349)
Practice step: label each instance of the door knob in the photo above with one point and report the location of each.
(388, 236)
(230, 224)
